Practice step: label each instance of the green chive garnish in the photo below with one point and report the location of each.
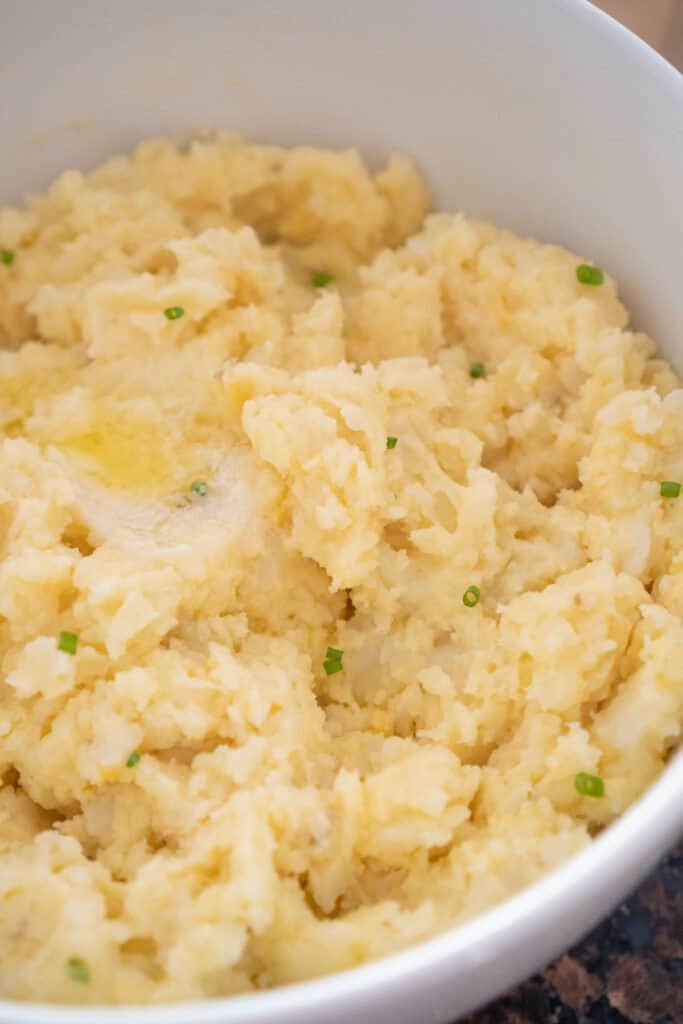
(333, 661)
(589, 785)
(476, 370)
(174, 312)
(669, 489)
(67, 642)
(133, 759)
(6, 257)
(392, 442)
(78, 970)
(471, 596)
(589, 275)
(199, 487)
(321, 278)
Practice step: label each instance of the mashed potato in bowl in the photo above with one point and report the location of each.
(340, 572)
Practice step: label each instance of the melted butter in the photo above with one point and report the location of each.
(121, 448)
(132, 455)
(20, 391)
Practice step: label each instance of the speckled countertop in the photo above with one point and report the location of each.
(628, 971)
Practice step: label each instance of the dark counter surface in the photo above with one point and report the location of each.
(629, 970)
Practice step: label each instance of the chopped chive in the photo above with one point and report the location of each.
(589, 785)
(78, 970)
(471, 596)
(392, 442)
(67, 642)
(133, 759)
(174, 312)
(476, 370)
(7, 257)
(669, 489)
(199, 487)
(589, 275)
(321, 278)
(333, 661)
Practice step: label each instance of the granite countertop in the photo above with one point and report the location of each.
(629, 970)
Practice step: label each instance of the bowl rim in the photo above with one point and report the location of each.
(647, 828)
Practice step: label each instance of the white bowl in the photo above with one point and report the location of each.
(543, 115)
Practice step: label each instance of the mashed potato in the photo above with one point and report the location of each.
(333, 550)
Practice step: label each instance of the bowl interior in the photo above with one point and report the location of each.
(544, 116)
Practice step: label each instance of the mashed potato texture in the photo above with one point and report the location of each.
(204, 352)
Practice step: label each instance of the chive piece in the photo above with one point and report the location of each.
(392, 442)
(199, 487)
(7, 257)
(321, 278)
(174, 312)
(78, 970)
(589, 785)
(589, 275)
(669, 489)
(471, 596)
(476, 370)
(68, 642)
(333, 661)
(133, 759)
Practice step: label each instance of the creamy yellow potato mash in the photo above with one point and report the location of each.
(340, 570)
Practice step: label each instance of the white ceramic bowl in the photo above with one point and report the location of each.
(543, 115)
